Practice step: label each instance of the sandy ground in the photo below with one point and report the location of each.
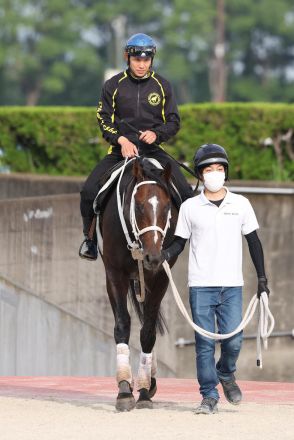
(30, 419)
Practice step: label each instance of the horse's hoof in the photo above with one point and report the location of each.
(125, 400)
(153, 388)
(144, 400)
(125, 403)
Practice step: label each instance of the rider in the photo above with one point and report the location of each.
(214, 222)
(145, 100)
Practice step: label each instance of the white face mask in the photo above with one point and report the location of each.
(214, 180)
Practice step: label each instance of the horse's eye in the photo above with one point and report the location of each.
(140, 209)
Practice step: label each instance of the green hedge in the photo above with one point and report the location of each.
(61, 140)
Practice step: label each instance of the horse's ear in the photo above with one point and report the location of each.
(166, 173)
(138, 170)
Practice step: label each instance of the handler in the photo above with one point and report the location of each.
(145, 100)
(215, 221)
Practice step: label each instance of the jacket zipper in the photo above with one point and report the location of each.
(138, 101)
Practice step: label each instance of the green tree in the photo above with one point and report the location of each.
(261, 50)
(57, 51)
(43, 44)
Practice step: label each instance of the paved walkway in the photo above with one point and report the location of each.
(87, 390)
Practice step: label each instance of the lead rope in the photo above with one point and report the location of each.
(264, 330)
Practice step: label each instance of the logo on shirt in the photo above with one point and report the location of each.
(154, 98)
(231, 213)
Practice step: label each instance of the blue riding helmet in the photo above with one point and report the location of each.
(140, 45)
(208, 154)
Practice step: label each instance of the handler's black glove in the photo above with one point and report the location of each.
(262, 287)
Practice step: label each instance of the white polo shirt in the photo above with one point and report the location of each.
(215, 233)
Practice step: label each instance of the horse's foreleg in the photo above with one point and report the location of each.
(146, 381)
(118, 298)
(153, 386)
(123, 370)
(125, 400)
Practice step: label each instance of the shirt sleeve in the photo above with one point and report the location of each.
(183, 228)
(105, 115)
(250, 223)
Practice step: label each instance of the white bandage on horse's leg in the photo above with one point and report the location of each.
(144, 373)
(154, 364)
(124, 371)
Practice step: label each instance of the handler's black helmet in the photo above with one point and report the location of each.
(208, 154)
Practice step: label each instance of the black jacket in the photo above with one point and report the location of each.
(147, 104)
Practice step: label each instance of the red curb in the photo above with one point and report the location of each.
(104, 390)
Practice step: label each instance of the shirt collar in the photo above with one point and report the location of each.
(138, 80)
(204, 200)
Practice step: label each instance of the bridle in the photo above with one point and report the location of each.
(136, 246)
(135, 228)
(137, 232)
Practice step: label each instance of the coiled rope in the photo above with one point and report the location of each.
(266, 320)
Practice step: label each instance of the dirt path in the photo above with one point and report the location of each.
(33, 419)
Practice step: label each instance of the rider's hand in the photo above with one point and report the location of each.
(148, 136)
(262, 287)
(128, 149)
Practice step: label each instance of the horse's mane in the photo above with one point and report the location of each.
(150, 172)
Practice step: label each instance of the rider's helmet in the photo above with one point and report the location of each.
(140, 45)
(208, 154)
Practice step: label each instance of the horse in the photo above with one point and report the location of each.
(150, 209)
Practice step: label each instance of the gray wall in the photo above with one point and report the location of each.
(17, 185)
(60, 322)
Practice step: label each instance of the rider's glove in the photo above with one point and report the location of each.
(262, 287)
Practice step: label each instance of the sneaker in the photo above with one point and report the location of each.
(232, 392)
(207, 406)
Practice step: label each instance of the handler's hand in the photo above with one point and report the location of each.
(262, 287)
(148, 136)
(128, 149)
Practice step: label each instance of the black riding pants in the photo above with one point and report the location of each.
(92, 185)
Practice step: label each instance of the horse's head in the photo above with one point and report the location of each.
(151, 211)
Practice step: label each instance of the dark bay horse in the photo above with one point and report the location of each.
(149, 210)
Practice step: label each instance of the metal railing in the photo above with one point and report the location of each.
(182, 342)
(257, 190)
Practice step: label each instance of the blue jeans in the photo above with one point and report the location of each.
(225, 305)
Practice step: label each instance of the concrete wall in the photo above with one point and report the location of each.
(39, 238)
(18, 185)
(38, 338)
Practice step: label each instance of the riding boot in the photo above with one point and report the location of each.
(88, 248)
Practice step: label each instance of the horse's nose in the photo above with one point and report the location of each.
(152, 261)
